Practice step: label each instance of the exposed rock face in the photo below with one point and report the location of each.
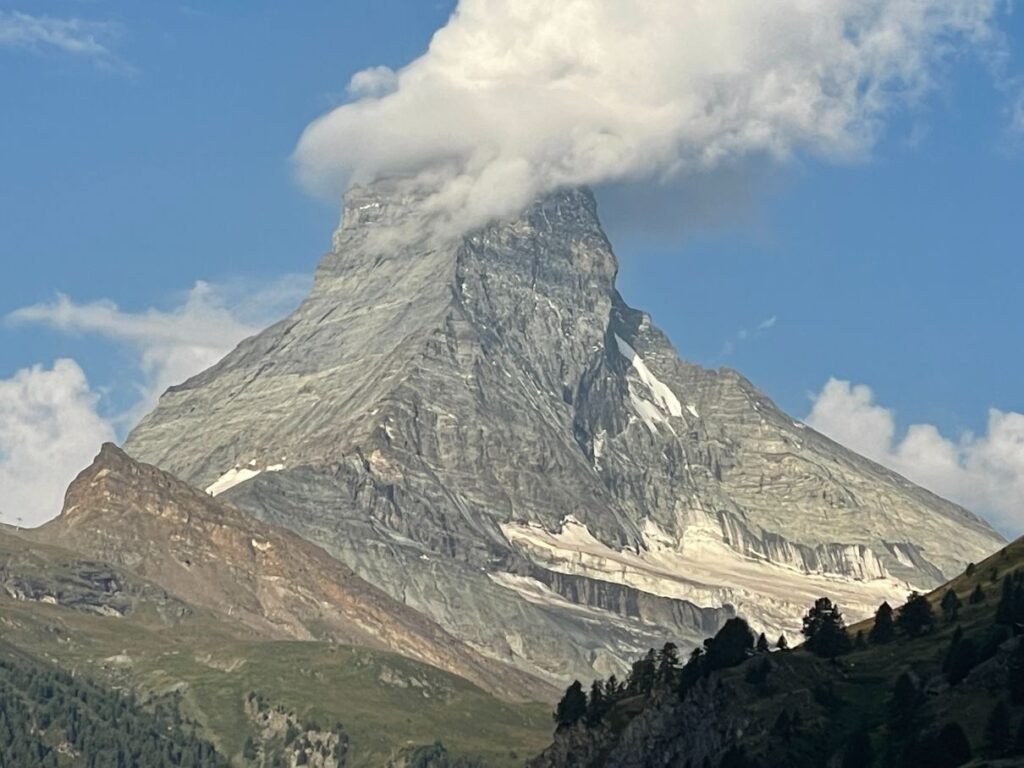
(262, 576)
(48, 575)
(485, 430)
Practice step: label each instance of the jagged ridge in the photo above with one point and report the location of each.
(266, 578)
(459, 419)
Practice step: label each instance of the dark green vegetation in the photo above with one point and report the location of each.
(939, 681)
(49, 718)
(378, 707)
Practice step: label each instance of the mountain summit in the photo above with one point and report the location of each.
(480, 426)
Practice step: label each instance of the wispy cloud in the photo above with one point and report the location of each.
(982, 472)
(172, 345)
(1017, 116)
(747, 334)
(52, 421)
(73, 36)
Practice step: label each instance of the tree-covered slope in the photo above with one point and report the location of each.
(941, 684)
(49, 718)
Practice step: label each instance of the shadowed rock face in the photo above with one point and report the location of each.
(485, 430)
(266, 578)
(40, 574)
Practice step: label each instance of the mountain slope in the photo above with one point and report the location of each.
(892, 703)
(52, 719)
(265, 578)
(101, 622)
(482, 427)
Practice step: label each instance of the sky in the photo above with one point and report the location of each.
(822, 194)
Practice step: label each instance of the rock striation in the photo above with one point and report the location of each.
(480, 426)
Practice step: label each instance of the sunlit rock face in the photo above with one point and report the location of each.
(482, 427)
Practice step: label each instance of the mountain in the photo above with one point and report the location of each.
(207, 662)
(942, 695)
(481, 427)
(265, 578)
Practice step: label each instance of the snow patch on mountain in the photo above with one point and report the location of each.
(237, 476)
(701, 568)
(663, 395)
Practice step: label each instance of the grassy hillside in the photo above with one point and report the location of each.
(386, 705)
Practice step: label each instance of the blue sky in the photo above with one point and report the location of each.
(157, 153)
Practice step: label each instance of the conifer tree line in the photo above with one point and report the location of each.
(913, 732)
(662, 671)
(49, 718)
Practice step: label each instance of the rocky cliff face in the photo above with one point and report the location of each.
(263, 577)
(482, 428)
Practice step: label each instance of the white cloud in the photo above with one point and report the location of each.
(89, 39)
(376, 81)
(51, 425)
(49, 431)
(518, 97)
(175, 344)
(984, 473)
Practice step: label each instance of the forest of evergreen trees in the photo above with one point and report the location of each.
(49, 718)
(911, 733)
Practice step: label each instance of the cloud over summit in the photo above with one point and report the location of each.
(518, 97)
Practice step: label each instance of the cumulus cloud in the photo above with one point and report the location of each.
(517, 97)
(984, 473)
(52, 422)
(78, 37)
(49, 431)
(172, 345)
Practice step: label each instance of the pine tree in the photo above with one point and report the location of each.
(906, 698)
(668, 664)
(733, 643)
(950, 606)
(643, 674)
(961, 659)
(915, 616)
(612, 690)
(825, 630)
(1004, 610)
(782, 643)
(1015, 675)
(597, 703)
(762, 644)
(1017, 606)
(977, 596)
(572, 707)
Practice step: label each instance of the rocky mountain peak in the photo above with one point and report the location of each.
(484, 429)
(268, 579)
